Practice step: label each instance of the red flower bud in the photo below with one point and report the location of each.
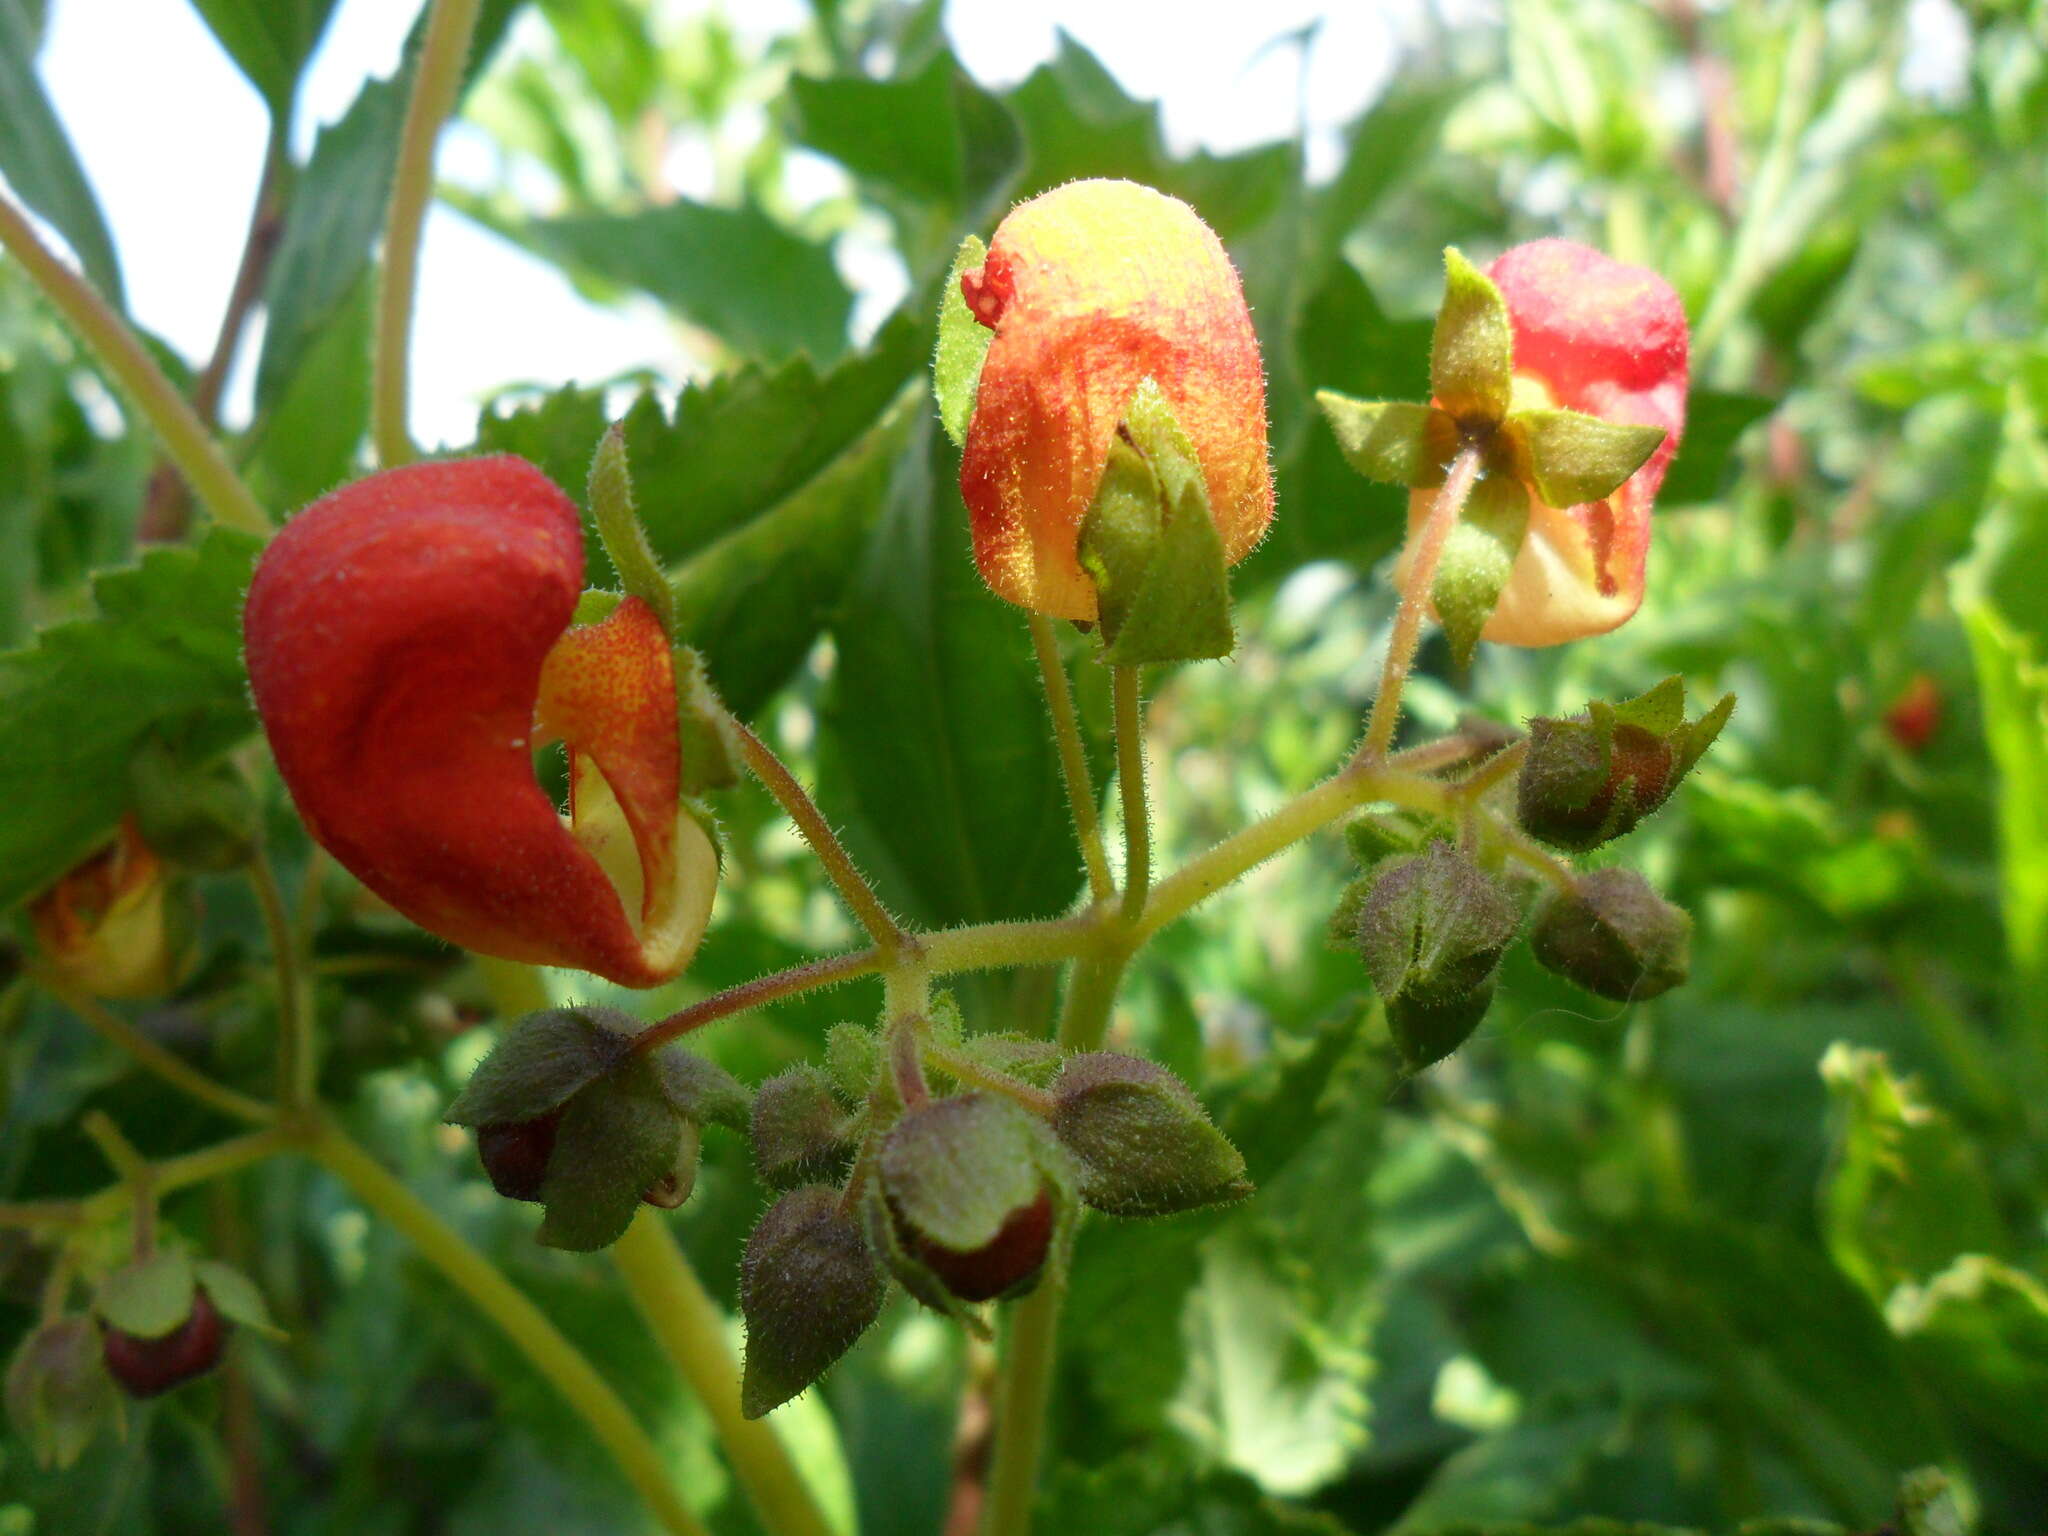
(151, 1367)
(1599, 336)
(106, 926)
(1091, 288)
(408, 636)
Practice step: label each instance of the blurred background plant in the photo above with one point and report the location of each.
(1760, 1247)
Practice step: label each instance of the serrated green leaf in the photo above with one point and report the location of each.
(1979, 1330)
(1393, 442)
(270, 41)
(1472, 351)
(901, 132)
(537, 1066)
(38, 160)
(236, 1297)
(933, 757)
(617, 1137)
(1570, 457)
(163, 650)
(963, 346)
(736, 272)
(148, 1297)
(758, 493)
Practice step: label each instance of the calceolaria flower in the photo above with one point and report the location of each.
(409, 644)
(109, 925)
(1090, 290)
(1566, 370)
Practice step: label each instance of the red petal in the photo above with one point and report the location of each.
(396, 631)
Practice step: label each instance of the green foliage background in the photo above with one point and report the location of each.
(1757, 1249)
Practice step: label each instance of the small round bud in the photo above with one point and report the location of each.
(968, 1199)
(1431, 931)
(147, 1367)
(1615, 936)
(1147, 1146)
(515, 1156)
(798, 1129)
(1581, 787)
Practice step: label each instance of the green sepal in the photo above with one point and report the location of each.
(1149, 543)
(148, 1297)
(618, 1137)
(595, 606)
(59, 1393)
(676, 1186)
(704, 729)
(1472, 353)
(540, 1063)
(1568, 457)
(963, 346)
(236, 1298)
(955, 1168)
(609, 491)
(701, 1091)
(809, 1288)
(1478, 557)
(1395, 442)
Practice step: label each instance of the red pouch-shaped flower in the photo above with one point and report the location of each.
(409, 642)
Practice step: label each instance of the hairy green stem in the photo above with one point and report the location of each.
(136, 374)
(1130, 779)
(691, 1328)
(151, 1057)
(529, 1329)
(1425, 550)
(796, 802)
(1023, 1394)
(436, 80)
(754, 994)
(1066, 732)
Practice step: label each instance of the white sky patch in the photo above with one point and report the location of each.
(172, 140)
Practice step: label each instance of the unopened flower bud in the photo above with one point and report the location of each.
(809, 1287)
(1615, 936)
(515, 1155)
(1431, 932)
(799, 1131)
(1147, 1146)
(1593, 777)
(966, 1202)
(114, 926)
(1912, 718)
(148, 1367)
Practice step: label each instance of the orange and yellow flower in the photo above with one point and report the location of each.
(1090, 289)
